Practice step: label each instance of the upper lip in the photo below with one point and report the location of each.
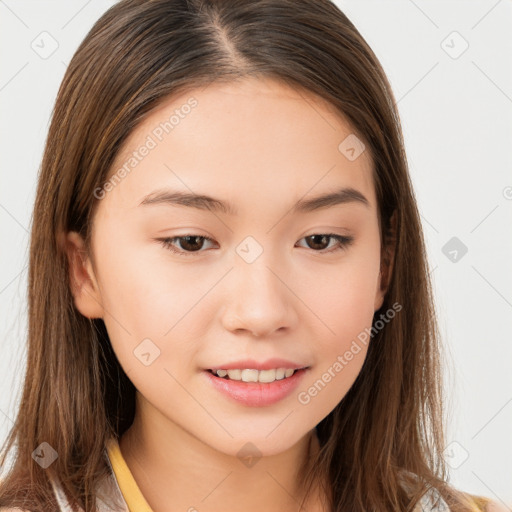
(269, 364)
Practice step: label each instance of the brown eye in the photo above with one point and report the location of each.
(320, 242)
(192, 243)
(188, 244)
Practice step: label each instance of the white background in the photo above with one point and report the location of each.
(457, 120)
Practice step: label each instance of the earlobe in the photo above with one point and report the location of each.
(82, 280)
(379, 300)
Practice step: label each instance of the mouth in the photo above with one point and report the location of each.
(248, 375)
(256, 388)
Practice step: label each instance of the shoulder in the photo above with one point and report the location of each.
(484, 504)
(495, 506)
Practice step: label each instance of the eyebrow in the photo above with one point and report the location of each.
(204, 202)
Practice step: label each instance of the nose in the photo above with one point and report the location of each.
(259, 298)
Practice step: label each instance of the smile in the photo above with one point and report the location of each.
(246, 387)
(251, 375)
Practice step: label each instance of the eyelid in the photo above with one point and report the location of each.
(344, 241)
(167, 243)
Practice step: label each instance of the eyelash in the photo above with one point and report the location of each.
(343, 243)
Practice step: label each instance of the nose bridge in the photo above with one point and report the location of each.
(259, 300)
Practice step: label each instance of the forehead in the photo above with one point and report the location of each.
(254, 141)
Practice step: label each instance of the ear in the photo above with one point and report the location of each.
(387, 262)
(82, 280)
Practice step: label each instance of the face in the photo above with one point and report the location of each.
(260, 273)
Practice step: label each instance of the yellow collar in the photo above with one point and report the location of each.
(127, 484)
(136, 502)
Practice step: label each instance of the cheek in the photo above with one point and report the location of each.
(140, 287)
(342, 296)
(146, 303)
(343, 302)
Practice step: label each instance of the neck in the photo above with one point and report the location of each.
(174, 468)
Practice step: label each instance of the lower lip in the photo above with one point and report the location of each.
(256, 394)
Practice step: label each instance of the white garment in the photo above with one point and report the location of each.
(432, 501)
(110, 499)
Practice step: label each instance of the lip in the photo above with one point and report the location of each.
(252, 364)
(256, 394)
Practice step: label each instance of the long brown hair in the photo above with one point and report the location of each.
(389, 427)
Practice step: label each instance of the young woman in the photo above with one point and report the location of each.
(229, 300)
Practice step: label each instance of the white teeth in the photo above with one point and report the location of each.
(267, 376)
(280, 373)
(250, 375)
(235, 374)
